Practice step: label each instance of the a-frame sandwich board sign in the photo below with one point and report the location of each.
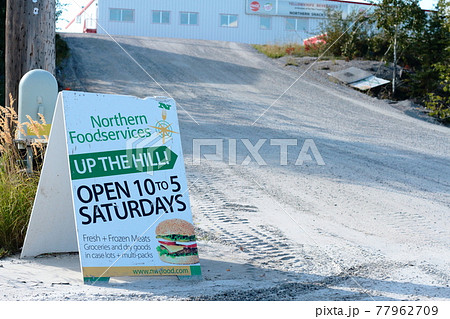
(113, 187)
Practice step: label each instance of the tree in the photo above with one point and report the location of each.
(401, 18)
(347, 36)
(402, 22)
(439, 100)
(30, 41)
(429, 49)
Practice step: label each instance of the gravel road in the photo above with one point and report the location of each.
(356, 209)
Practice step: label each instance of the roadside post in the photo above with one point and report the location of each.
(38, 91)
(113, 187)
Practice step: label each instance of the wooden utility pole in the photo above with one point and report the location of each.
(30, 41)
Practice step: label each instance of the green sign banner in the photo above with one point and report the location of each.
(109, 163)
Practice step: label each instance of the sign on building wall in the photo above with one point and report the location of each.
(305, 9)
(128, 189)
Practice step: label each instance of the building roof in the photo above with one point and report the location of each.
(362, 2)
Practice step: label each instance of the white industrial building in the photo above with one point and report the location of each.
(247, 21)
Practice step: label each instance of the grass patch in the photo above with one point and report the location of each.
(17, 191)
(17, 187)
(276, 51)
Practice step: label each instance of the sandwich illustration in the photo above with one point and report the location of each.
(177, 242)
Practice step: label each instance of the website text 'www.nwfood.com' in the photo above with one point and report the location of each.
(161, 271)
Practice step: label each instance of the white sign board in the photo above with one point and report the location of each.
(301, 9)
(128, 185)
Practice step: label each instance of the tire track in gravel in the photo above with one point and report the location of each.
(234, 222)
(230, 223)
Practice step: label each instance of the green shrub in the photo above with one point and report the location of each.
(62, 49)
(439, 102)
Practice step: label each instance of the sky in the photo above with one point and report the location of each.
(73, 7)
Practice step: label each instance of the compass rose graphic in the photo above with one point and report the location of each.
(164, 128)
